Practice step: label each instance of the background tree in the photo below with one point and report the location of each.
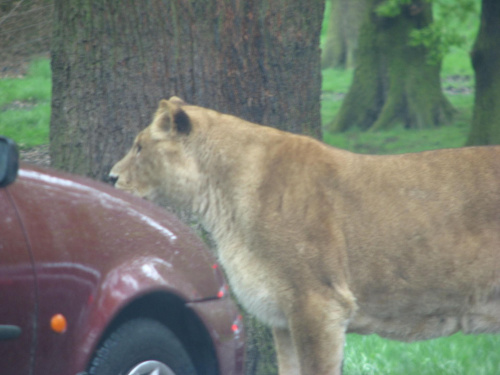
(342, 34)
(113, 60)
(486, 62)
(393, 81)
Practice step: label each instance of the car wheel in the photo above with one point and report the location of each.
(140, 347)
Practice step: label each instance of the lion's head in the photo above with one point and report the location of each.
(159, 166)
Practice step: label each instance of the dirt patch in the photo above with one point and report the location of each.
(19, 104)
(458, 85)
(37, 155)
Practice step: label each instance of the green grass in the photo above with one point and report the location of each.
(454, 355)
(28, 127)
(336, 80)
(400, 140)
(25, 105)
(457, 62)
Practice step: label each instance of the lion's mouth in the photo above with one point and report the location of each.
(112, 179)
(131, 191)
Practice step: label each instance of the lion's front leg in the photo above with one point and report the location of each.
(317, 327)
(288, 362)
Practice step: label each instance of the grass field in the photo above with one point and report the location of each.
(25, 105)
(454, 355)
(25, 116)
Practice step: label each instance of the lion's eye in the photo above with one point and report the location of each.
(139, 148)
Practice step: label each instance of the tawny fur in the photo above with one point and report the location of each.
(317, 241)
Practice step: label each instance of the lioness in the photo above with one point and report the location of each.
(317, 241)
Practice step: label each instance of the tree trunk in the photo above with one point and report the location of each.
(114, 60)
(393, 82)
(342, 34)
(485, 60)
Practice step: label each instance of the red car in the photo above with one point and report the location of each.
(95, 281)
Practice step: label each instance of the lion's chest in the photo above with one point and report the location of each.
(255, 286)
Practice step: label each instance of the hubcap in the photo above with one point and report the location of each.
(151, 368)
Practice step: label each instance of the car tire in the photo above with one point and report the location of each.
(141, 346)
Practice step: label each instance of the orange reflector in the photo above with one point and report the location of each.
(235, 327)
(58, 323)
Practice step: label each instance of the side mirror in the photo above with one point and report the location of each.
(9, 161)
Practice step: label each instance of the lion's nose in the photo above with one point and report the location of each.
(112, 178)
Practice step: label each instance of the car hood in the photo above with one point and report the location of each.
(104, 234)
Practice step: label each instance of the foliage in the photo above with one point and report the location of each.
(437, 41)
(391, 8)
(451, 28)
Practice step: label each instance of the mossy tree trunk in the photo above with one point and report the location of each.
(113, 60)
(393, 81)
(342, 34)
(486, 62)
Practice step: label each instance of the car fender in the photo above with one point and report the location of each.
(122, 286)
(95, 251)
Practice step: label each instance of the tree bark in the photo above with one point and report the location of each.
(485, 55)
(393, 82)
(342, 34)
(114, 60)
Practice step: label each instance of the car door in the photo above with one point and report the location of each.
(17, 293)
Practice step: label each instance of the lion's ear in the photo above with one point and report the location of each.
(172, 117)
(181, 121)
(177, 100)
